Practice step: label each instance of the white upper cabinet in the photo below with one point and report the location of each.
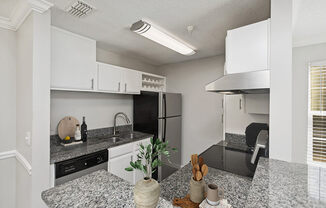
(118, 79)
(109, 78)
(248, 48)
(132, 81)
(73, 60)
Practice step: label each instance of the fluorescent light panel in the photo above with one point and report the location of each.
(149, 31)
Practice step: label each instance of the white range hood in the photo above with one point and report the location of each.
(256, 82)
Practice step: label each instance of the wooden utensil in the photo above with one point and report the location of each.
(197, 168)
(192, 160)
(201, 161)
(199, 176)
(67, 127)
(194, 172)
(195, 159)
(204, 170)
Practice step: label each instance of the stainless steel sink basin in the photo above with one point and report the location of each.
(114, 139)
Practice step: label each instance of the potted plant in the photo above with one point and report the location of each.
(147, 190)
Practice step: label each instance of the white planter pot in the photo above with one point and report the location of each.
(146, 193)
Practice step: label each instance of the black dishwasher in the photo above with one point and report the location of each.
(74, 168)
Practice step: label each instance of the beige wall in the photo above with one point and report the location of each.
(201, 110)
(124, 61)
(8, 116)
(302, 56)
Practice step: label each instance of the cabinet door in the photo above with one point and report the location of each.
(247, 48)
(109, 78)
(117, 167)
(132, 81)
(73, 61)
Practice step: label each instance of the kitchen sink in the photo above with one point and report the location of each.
(114, 139)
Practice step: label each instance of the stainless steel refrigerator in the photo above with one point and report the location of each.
(160, 114)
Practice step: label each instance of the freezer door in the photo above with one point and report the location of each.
(171, 104)
(171, 129)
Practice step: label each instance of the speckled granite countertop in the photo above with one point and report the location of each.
(96, 143)
(283, 184)
(100, 189)
(235, 187)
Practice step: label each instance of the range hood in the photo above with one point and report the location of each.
(256, 82)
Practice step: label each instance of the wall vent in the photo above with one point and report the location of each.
(80, 9)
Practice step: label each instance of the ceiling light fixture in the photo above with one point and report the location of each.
(149, 31)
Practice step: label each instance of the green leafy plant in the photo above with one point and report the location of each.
(148, 157)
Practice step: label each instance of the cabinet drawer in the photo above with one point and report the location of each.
(145, 142)
(121, 150)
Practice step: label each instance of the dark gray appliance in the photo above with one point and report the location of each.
(160, 114)
(74, 168)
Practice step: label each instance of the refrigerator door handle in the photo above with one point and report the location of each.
(164, 119)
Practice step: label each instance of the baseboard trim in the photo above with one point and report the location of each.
(19, 157)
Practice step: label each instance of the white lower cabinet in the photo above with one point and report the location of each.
(117, 167)
(120, 157)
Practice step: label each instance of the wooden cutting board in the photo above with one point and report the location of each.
(67, 127)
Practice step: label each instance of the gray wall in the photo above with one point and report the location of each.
(201, 110)
(302, 56)
(8, 116)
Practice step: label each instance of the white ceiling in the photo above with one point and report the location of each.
(309, 22)
(110, 24)
(7, 7)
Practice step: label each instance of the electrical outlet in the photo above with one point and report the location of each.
(28, 138)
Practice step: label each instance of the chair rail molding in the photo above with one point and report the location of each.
(19, 157)
(21, 11)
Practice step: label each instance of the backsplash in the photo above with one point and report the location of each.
(96, 132)
(235, 138)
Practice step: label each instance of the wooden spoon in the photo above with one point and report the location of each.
(201, 161)
(199, 176)
(204, 170)
(194, 172)
(197, 168)
(195, 158)
(192, 160)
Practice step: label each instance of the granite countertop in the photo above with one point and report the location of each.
(283, 184)
(98, 189)
(235, 187)
(94, 143)
(103, 189)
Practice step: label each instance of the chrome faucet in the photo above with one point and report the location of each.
(122, 115)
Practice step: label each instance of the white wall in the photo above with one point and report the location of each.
(236, 119)
(99, 108)
(281, 80)
(201, 110)
(302, 56)
(24, 108)
(41, 106)
(128, 62)
(8, 116)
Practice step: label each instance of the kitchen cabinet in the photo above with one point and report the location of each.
(120, 157)
(257, 103)
(73, 61)
(118, 79)
(248, 48)
(117, 167)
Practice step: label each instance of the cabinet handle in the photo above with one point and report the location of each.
(119, 87)
(240, 105)
(125, 87)
(131, 158)
(92, 84)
